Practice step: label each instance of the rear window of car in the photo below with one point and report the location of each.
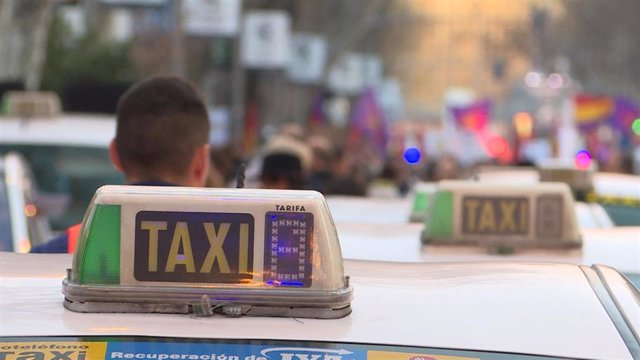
(623, 215)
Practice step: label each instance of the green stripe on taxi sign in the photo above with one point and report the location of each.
(440, 223)
(100, 244)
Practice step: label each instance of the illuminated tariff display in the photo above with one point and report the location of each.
(287, 253)
(193, 247)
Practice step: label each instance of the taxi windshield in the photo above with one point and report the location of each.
(623, 215)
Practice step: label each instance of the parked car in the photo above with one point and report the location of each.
(401, 311)
(23, 223)
(619, 195)
(592, 215)
(478, 221)
(68, 154)
(367, 210)
(144, 285)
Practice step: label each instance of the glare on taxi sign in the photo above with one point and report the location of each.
(232, 251)
(479, 213)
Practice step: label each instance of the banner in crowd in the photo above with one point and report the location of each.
(625, 114)
(613, 115)
(593, 110)
(616, 113)
(368, 125)
(474, 116)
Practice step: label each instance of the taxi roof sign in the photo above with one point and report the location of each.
(579, 180)
(502, 216)
(197, 250)
(31, 104)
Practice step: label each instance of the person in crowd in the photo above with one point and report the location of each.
(225, 161)
(446, 167)
(285, 164)
(350, 175)
(323, 158)
(162, 139)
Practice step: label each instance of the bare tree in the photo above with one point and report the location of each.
(35, 64)
(23, 39)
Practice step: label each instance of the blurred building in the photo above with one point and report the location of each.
(480, 45)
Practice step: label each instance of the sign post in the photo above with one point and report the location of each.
(265, 39)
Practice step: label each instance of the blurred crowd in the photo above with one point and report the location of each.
(293, 158)
(328, 161)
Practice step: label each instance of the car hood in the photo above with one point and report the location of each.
(547, 309)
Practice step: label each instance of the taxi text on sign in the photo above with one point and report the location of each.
(483, 215)
(193, 246)
(493, 216)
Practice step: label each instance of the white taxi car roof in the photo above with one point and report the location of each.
(538, 309)
(592, 215)
(67, 129)
(369, 210)
(617, 246)
(617, 185)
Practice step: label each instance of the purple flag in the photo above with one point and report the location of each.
(625, 113)
(317, 115)
(368, 125)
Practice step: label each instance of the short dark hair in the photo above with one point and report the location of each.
(161, 121)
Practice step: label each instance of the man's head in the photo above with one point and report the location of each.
(162, 133)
